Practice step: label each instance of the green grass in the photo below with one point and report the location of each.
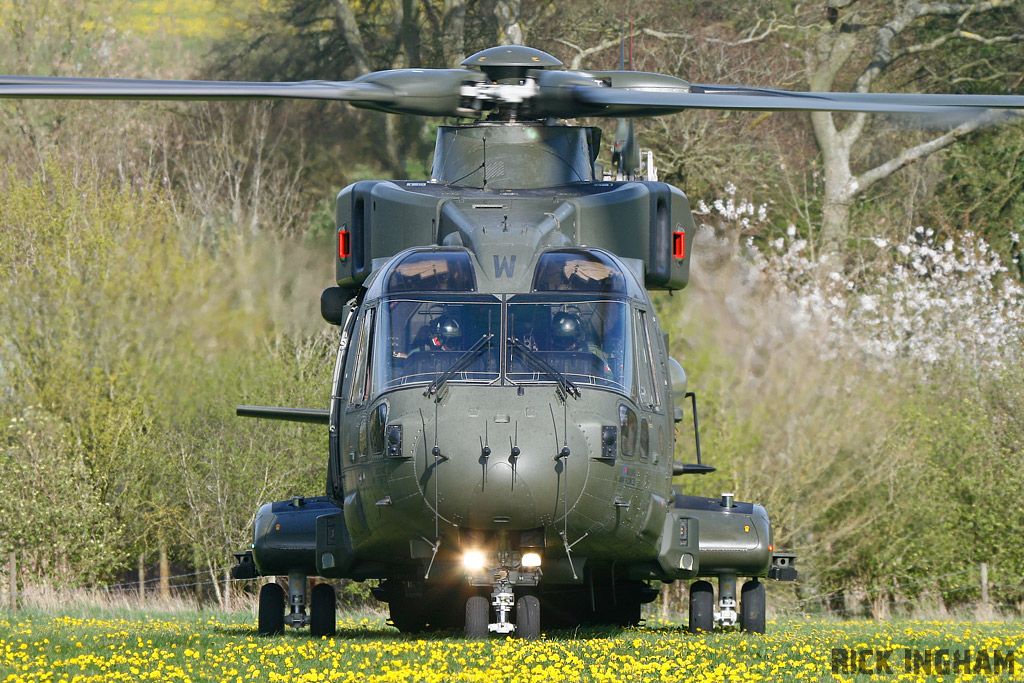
(98, 645)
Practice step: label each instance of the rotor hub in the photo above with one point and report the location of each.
(510, 62)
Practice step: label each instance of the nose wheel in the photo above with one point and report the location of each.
(477, 617)
(528, 617)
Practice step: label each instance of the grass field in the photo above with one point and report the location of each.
(217, 647)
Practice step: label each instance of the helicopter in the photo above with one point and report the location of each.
(503, 406)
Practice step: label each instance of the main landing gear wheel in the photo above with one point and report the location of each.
(752, 607)
(702, 607)
(407, 615)
(270, 620)
(629, 600)
(477, 617)
(322, 610)
(528, 617)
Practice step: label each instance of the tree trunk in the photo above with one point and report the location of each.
(832, 51)
(216, 585)
(453, 31)
(165, 574)
(349, 28)
(142, 577)
(508, 13)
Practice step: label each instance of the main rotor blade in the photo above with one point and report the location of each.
(43, 87)
(426, 92)
(917, 99)
(618, 102)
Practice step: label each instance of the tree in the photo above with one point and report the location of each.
(870, 41)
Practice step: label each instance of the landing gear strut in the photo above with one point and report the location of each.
(726, 615)
(503, 600)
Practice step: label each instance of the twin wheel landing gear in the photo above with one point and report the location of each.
(704, 616)
(321, 602)
(526, 608)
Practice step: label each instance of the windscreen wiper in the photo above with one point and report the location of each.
(534, 359)
(460, 363)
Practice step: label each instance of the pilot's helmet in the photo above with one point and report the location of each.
(445, 333)
(566, 331)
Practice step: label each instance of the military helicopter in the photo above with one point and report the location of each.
(503, 405)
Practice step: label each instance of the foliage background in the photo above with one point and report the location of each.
(160, 264)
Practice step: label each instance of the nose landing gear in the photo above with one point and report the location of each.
(526, 611)
(504, 601)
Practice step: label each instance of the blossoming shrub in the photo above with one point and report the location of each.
(871, 406)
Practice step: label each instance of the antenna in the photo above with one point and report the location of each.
(622, 47)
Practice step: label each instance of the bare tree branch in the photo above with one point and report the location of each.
(994, 73)
(752, 35)
(773, 26)
(925, 149)
(582, 53)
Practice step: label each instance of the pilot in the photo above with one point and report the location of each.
(567, 332)
(567, 335)
(445, 334)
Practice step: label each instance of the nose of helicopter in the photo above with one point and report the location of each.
(502, 499)
(514, 469)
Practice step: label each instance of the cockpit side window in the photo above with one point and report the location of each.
(360, 389)
(648, 385)
(575, 270)
(433, 271)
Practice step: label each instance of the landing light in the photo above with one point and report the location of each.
(531, 560)
(473, 560)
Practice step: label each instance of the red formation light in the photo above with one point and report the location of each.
(679, 244)
(344, 244)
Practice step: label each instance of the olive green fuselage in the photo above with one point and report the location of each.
(503, 384)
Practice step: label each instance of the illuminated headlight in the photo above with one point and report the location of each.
(473, 560)
(531, 560)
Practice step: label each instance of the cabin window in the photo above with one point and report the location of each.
(578, 271)
(360, 388)
(375, 437)
(627, 430)
(585, 339)
(433, 271)
(421, 338)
